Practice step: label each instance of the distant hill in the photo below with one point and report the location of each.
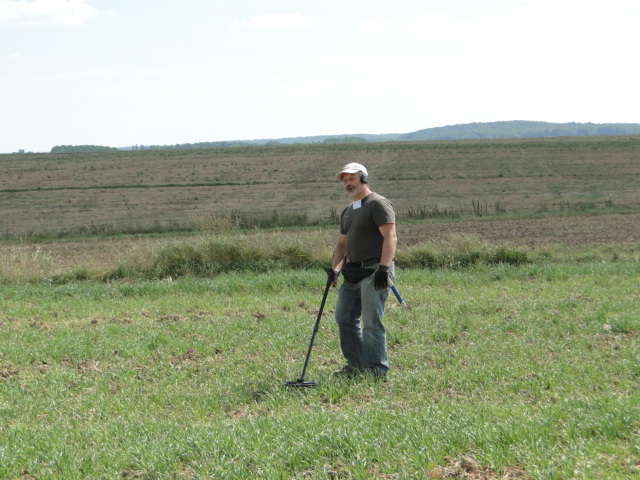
(475, 131)
(521, 129)
(468, 131)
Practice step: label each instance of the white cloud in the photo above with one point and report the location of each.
(376, 25)
(45, 12)
(278, 20)
(14, 55)
(345, 62)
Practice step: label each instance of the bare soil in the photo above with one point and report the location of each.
(468, 468)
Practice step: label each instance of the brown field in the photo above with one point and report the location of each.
(132, 191)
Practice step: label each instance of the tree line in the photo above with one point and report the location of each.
(80, 148)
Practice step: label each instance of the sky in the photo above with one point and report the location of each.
(120, 73)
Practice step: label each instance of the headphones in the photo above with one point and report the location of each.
(364, 178)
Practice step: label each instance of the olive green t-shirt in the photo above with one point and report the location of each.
(360, 222)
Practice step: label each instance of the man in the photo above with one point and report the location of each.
(364, 254)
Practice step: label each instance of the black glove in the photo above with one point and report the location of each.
(381, 278)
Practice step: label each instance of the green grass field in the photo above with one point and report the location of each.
(153, 304)
(531, 371)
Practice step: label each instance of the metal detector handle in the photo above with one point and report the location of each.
(331, 275)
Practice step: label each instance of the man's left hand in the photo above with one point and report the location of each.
(381, 278)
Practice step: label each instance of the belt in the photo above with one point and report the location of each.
(366, 263)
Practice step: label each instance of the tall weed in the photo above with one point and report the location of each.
(214, 254)
(461, 251)
(24, 263)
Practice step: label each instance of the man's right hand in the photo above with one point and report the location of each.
(334, 280)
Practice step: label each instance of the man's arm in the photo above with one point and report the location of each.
(388, 231)
(338, 257)
(381, 276)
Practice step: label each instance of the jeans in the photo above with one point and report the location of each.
(363, 346)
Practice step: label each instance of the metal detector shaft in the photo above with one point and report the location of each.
(330, 275)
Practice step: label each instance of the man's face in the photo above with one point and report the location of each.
(353, 185)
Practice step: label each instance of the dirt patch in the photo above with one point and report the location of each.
(468, 468)
(187, 359)
(8, 371)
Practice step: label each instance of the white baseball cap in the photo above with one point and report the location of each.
(351, 168)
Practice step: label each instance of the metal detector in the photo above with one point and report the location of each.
(301, 382)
